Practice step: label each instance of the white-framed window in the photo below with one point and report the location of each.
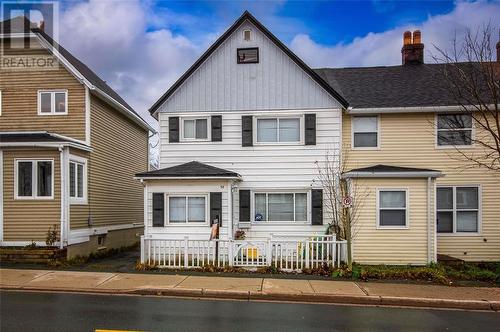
(454, 130)
(78, 180)
(195, 129)
(247, 35)
(392, 208)
(365, 132)
(280, 207)
(34, 179)
(458, 209)
(278, 130)
(187, 209)
(52, 102)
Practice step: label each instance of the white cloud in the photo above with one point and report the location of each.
(379, 49)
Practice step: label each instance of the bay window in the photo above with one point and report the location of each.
(34, 179)
(280, 207)
(457, 209)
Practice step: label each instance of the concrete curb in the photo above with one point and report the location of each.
(282, 297)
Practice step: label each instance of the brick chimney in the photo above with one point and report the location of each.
(412, 52)
(498, 47)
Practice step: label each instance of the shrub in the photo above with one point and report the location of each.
(51, 237)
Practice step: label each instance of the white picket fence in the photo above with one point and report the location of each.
(285, 253)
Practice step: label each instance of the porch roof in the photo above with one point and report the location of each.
(190, 170)
(39, 139)
(392, 171)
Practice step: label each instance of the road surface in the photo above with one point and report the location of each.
(30, 311)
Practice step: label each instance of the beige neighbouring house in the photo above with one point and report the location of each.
(421, 199)
(69, 147)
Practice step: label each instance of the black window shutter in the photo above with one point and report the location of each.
(310, 129)
(216, 128)
(158, 210)
(173, 129)
(317, 206)
(244, 205)
(216, 207)
(246, 130)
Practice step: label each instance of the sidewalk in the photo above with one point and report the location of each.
(320, 291)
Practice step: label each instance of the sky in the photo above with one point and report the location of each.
(141, 47)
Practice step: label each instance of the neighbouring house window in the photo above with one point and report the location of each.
(34, 179)
(457, 209)
(52, 102)
(248, 55)
(291, 207)
(392, 208)
(195, 129)
(77, 181)
(270, 130)
(365, 131)
(454, 129)
(187, 209)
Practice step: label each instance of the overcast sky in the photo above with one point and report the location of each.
(141, 47)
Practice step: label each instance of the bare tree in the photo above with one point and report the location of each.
(473, 77)
(336, 188)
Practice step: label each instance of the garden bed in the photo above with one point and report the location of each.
(31, 255)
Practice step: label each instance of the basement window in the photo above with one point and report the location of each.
(248, 55)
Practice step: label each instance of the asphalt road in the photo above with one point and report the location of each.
(29, 311)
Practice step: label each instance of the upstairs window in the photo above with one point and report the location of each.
(365, 131)
(454, 129)
(195, 129)
(34, 179)
(248, 55)
(282, 130)
(392, 208)
(457, 209)
(247, 35)
(52, 102)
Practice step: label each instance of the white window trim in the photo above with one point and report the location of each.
(407, 208)
(79, 200)
(209, 129)
(278, 117)
(187, 223)
(53, 104)
(454, 210)
(34, 180)
(445, 147)
(280, 191)
(378, 132)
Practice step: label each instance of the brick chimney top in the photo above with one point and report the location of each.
(412, 52)
(498, 47)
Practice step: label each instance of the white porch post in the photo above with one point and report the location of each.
(65, 215)
(230, 231)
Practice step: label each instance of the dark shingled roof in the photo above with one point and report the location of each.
(30, 137)
(191, 169)
(390, 169)
(396, 86)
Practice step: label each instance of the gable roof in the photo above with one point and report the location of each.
(423, 85)
(247, 16)
(192, 169)
(21, 24)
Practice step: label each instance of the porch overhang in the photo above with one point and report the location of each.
(40, 139)
(189, 171)
(386, 171)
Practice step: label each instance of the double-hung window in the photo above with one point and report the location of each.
(280, 207)
(77, 181)
(458, 209)
(392, 208)
(53, 102)
(365, 132)
(190, 209)
(195, 129)
(282, 130)
(454, 129)
(34, 179)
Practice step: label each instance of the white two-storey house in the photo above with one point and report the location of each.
(240, 134)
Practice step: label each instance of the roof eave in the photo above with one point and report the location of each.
(423, 174)
(187, 177)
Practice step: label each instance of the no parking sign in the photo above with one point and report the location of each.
(347, 201)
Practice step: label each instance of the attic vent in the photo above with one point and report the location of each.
(247, 35)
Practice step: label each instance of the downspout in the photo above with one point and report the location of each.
(429, 222)
(63, 198)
